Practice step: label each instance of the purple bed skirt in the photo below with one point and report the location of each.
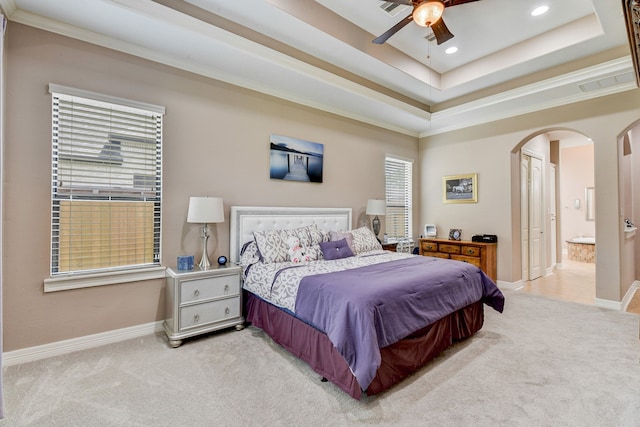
(399, 360)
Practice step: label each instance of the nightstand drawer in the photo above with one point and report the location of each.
(469, 259)
(470, 251)
(450, 249)
(209, 287)
(209, 312)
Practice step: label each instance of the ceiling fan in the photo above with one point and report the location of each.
(426, 13)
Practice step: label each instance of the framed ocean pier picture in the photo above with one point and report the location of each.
(294, 159)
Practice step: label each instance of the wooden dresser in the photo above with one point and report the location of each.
(483, 255)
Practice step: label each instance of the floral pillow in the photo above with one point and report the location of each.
(272, 245)
(275, 245)
(364, 240)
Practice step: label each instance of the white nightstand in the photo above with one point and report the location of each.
(202, 300)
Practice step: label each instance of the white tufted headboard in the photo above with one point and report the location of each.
(247, 219)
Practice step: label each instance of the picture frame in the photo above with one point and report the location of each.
(455, 234)
(460, 188)
(293, 159)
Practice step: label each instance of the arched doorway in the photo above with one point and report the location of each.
(554, 168)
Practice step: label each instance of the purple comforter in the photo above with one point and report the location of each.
(364, 309)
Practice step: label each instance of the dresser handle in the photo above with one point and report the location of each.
(226, 310)
(226, 288)
(196, 293)
(196, 318)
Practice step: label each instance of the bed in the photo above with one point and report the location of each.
(361, 317)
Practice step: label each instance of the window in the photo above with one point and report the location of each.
(106, 183)
(398, 176)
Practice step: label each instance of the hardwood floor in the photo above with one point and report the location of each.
(576, 281)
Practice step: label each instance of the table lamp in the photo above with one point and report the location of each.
(205, 210)
(376, 207)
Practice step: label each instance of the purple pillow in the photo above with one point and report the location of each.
(335, 250)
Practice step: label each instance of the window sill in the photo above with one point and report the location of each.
(78, 281)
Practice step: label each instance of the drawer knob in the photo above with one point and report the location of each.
(226, 288)
(196, 318)
(196, 293)
(226, 310)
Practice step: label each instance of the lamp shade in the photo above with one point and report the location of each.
(428, 12)
(205, 210)
(376, 207)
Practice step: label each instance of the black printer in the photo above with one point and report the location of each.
(484, 238)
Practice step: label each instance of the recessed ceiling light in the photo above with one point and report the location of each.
(451, 50)
(539, 10)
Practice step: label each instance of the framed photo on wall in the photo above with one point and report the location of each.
(294, 159)
(460, 188)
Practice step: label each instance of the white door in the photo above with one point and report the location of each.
(536, 218)
(552, 216)
(524, 214)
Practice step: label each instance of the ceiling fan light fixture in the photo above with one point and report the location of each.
(428, 12)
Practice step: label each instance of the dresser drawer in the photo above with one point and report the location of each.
(429, 247)
(209, 287)
(470, 251)
(209, 312)
(469, 259)
(436, 254)
(450, 249)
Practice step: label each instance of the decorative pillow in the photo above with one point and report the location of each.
(273, 245)
(336, 249)
(364, 240)
(334, 236)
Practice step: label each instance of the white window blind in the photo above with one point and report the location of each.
(398, 177)
(106, 184)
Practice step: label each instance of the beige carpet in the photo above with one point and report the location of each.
(541, 363)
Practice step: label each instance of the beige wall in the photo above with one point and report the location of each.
(487, 149)
(216, 142)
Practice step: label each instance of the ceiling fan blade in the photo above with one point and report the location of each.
(441, 31)
(449, 3)
(407, 2)
(391, 31)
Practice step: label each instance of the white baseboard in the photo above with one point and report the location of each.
(510, 285)
(607, 303)
(31, 354)
(622, 305)
(629, 295)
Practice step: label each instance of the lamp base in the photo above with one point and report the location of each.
(375, 225)
(204, 262)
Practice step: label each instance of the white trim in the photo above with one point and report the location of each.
(510, 285)
(629, 295)
(58, 348)
(398, 157)
(81, 93)
(606, 303)
(77, 281)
